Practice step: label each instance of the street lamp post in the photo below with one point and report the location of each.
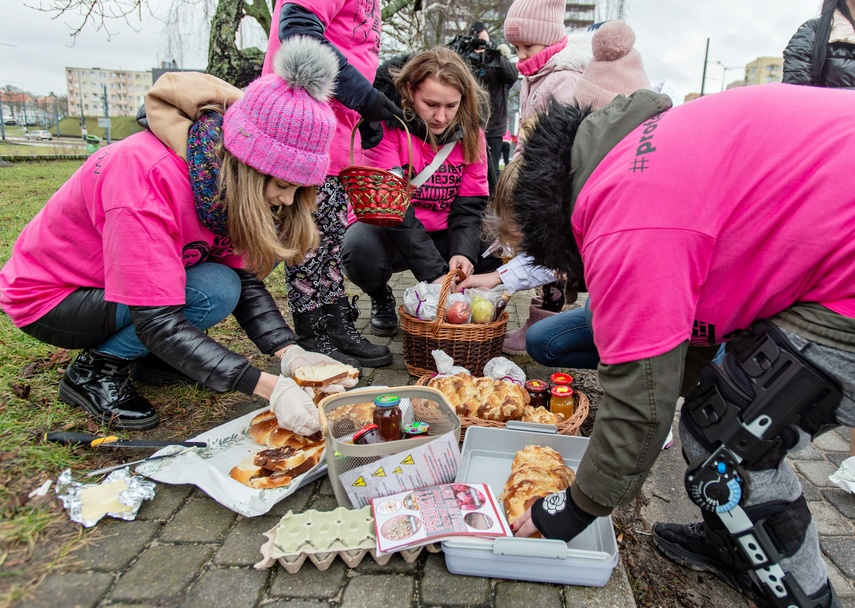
(724, 69)
(23, 98)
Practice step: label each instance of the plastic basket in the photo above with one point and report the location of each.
(342, 455)
(471, 345)
(377, 196)
(568, 427)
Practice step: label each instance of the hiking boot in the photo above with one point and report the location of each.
(101, 384)
(157, 372)
(346, 338)
(384, 319)
(312, 335)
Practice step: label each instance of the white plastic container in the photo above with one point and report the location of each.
(586, 560)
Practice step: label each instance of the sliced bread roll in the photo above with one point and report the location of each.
(323, 374)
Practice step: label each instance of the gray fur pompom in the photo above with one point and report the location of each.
(305, 63)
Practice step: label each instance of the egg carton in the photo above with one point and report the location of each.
(320, 536)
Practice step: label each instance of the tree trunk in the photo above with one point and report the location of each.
(236, 66)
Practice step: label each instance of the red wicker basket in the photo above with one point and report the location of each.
(470, 345)
(377, 196)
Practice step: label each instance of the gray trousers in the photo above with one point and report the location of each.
(781, 484)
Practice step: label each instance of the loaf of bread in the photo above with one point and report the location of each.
(541, 415)
(486, 398)
(264, 429)
(537, 471)
(347, 419)
(323, 374)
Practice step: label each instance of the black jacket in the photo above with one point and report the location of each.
(498, 75)
(838, 69)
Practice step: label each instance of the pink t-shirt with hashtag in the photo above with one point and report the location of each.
(717, 213)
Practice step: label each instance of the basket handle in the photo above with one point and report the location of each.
(443, 295)
(409, 148)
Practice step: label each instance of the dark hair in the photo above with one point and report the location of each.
(478, 26)
(820, 43)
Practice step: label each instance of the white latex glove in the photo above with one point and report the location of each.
(293, 407)
(296, 357)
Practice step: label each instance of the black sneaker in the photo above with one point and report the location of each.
(384, 319)
(101, 385)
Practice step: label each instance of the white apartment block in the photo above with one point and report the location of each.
(86, 86)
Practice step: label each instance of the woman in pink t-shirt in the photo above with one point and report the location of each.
(442, 228)
(163, 234)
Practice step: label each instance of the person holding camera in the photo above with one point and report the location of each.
(498, 75)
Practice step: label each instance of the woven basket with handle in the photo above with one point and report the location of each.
(470, 345)
(377, 196)
(568, 427)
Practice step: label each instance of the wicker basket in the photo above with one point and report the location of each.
(377, 196)
(470, 345)
(568, 427)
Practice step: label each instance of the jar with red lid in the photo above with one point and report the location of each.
(368, 435)
(562, 401)
(387, 416)
(560, 379)
(538, 393)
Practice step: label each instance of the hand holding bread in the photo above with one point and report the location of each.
(314, 369)
(293, 407)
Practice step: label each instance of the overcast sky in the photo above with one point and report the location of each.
(671, 37)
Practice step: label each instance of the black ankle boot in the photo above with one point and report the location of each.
(101, 384)
(344, 335)
(312, 335)
(384, 319)
(153, 370)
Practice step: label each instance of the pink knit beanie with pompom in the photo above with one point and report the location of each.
(616, 68)
(283, 125)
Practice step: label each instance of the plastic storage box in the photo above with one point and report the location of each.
(586, 560)
(418, 403)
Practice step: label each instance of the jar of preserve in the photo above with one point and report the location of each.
(560, 379)
(562, 401)
(416, 428)
(367, 435)
(538, 393)
(387, 416)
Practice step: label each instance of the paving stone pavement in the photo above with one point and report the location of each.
(186, 550)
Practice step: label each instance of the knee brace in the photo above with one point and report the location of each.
(744, 413)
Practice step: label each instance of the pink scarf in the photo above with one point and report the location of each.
(532, 65)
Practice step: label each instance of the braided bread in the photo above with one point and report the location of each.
(537, 471)
(485, 398)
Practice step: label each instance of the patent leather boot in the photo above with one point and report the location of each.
(101, 384)
(344, 335)
(384, 319)
(313, 335)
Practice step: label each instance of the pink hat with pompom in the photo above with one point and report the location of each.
(616, 68)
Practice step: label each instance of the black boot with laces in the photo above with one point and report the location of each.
(101, 384)
(312, 329)
(384, 319)
(346, 338)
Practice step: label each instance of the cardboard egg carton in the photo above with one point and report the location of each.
(320, 536)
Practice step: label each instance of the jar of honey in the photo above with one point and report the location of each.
(387, 416)
(562, 401)
(538, 393)
(560, 379)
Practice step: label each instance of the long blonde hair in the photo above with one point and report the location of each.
(448, 68)
(259, 237)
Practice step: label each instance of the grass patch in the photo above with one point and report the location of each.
(36, 536)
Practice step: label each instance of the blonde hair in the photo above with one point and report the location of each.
(500, 222)
(446, 66)
(261, 238)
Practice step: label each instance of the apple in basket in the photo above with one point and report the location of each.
(458, 312)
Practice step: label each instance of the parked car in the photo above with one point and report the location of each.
(10, 122)
(39, 135)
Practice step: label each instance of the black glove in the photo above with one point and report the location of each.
(382, 108)
(557, 516)
(372, 134)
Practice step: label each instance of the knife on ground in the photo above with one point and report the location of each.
(111, 441)
(115, 467)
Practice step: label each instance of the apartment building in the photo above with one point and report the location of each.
(764, 69)
(125, 90)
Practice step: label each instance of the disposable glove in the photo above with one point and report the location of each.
(293, 407)
(382, 108)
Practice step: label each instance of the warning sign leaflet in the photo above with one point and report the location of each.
(430, 464)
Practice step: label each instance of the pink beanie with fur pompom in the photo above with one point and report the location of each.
(616, 68)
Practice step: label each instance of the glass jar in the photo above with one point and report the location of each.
(387, 416)
(560, 379)
(538, 393)
(562, 401)
(416, 429)
(367, 435)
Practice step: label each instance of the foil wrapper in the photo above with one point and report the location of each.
(138, 490)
